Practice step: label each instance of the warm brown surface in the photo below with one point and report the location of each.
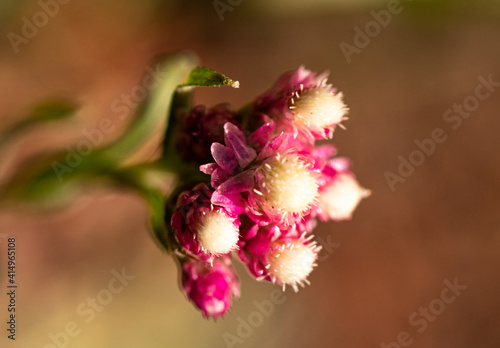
(442, 223)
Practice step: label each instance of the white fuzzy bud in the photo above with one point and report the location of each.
(318, 108)
(291, 264)
(340, 198)
(289, 185)
(217, 233)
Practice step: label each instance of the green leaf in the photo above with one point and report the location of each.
(201, 76)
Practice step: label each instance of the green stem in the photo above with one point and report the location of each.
(153, 112)
(138, 178)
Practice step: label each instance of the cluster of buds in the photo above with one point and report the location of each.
(268, 183)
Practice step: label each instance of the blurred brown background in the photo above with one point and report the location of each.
(441, 223)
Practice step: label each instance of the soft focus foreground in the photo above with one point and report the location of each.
(421, 134)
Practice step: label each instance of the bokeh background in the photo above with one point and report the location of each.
(442, 222)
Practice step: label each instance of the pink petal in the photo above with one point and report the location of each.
(340, 164)
(249, 233)
(262, 135)
(277, 144)
(177, 220)
(224, 157)
(233, 203)
(260, 245)
(239, 183)
(208, 168)
(325, 151)
(244, 153)
(234, 130)
(218, 177)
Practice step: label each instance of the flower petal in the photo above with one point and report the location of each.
(340, 164)
(208, 168)
(232, 202)
(224, 157)
(262, 135)
(218, 177)
(239, 183)
(325, 151)
(233, 138)
(278, 144)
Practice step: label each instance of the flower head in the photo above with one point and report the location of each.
(210, 287)
(201, 228)
(339, 191)
(291, 263)
(272, 184)
(269, 183)
(304, 104)
(280, 256)
(285, 189)
(317, 108)
(288, 184)
(340, 197)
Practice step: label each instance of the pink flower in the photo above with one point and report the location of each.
(303, 104)
(339, 191)
(285, 190)
(202, 229)
(285, 257)
(269, 184)
(210, 287)
(272, 184)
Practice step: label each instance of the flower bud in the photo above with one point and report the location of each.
(303, 103)
(288, 185)
(291, 263)
(281, 256)
(341, 196)
(210, 288)
(201, 228)
(217, 232)
(317, 108)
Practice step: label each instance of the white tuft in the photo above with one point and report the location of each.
(292, 264)
(217, 233)
(339, 199)
(290, 185)
(215, 307)
(319, 108)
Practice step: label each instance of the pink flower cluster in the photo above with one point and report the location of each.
(268, 183)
